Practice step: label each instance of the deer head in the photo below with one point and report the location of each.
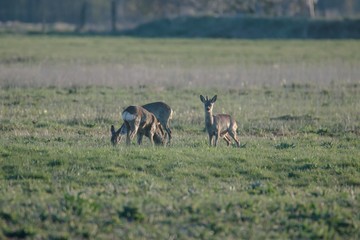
(208, 103)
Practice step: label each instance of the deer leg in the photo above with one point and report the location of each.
(211, 139)
(233, 135)
(165, 126)
(151, 137)
(132, 131)
(136, 125)
(119, 138)
(168, 130)
(169, 133)
(217, 134)
(139, 138)
(122, 132)
(152, 133)
(128, 140)
(227, 140)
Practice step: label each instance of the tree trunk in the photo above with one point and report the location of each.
(82, 20)
(113, 16)
(43, 16)
(311, 6)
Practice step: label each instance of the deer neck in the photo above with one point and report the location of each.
(209, 120)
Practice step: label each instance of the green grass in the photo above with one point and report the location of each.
(296, 175)
(50, 61)
(171, 52)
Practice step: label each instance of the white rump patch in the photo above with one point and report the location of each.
(126, 116)
(171, 114)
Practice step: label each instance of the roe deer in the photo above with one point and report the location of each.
(162, 112)
(139, 121)
(220, 125)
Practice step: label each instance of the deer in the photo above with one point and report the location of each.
(162, 112)
(139, 121)
(220, 125)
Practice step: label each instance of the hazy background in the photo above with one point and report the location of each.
(189, 18)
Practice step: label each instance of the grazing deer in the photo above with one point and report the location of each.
(220, 125)
(139, 121)
(162, 112)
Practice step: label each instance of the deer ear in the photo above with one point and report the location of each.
(112, 129)
(202, 98)
(214, 99)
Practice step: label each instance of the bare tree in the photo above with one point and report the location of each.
(311, 6)
(113, 15)
(82, 21)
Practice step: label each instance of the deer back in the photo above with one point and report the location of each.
(161, 110)
(224, 122)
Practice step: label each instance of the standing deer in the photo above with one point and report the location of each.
(162, 112)
(139, 121)
(220, 125)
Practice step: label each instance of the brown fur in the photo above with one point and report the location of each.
(220, 125)
(138, 121)
(162, 112)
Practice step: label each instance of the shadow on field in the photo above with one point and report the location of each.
(307, 118)
(248, 27)
(233, 27)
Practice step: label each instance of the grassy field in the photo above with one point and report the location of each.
(296, 176)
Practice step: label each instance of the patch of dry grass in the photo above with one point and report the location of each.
(231, 76)
(116, 62)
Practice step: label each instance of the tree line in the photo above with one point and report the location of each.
(124, 13)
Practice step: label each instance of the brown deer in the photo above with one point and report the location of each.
(138, 121)
(162, 112)
(220, 125)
